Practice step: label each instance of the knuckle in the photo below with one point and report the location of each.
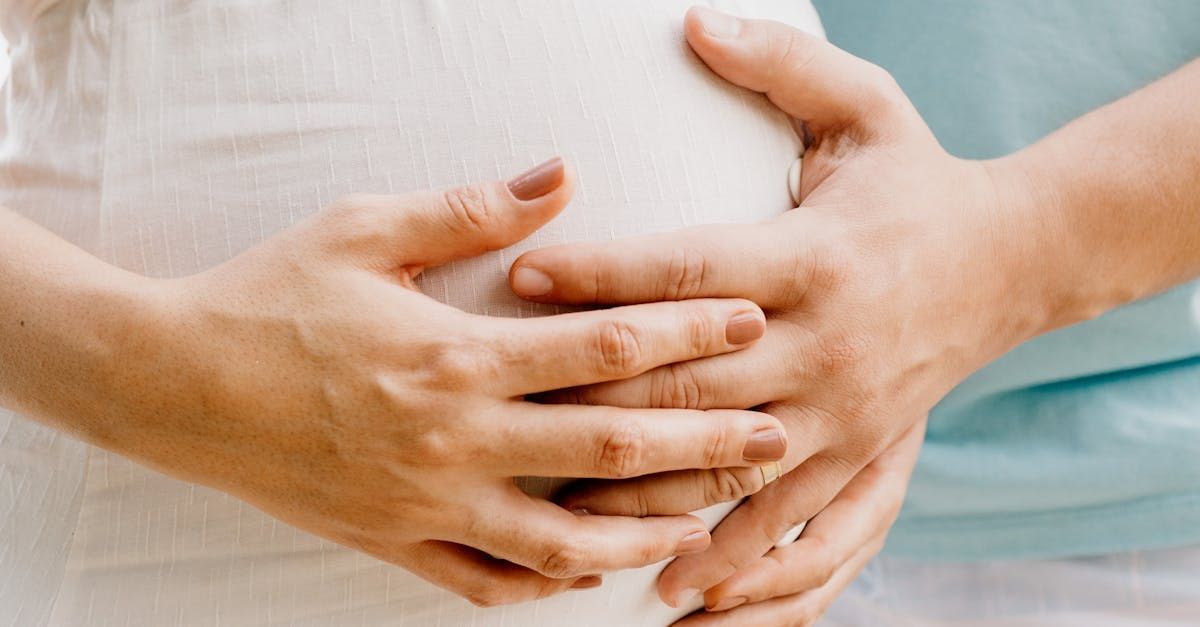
(471, 211)
(797, 276)
(727, 484)
(825, 561)
(794, 52)
(428, 443)
(458, 363)
(685, 276)
(640, 502)
(699, 330)
(620, 348)
(841, 355)
(598, 284)
(433, 447)
(676, 387)
(565, 560)
(828, 265)
(718, 439)
(884, 91)
(622, 450)
(879, 97)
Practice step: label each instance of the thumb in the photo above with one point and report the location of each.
(433, 227)
(806, 76)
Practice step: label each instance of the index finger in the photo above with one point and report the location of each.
(752, 261)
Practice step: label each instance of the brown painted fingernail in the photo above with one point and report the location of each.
(767, 445)
(693, 543)
(744, 327)
(539, 180)
(528, 281)
(590, 581)
(728, 604)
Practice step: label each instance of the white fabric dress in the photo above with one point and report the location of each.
(166, 136)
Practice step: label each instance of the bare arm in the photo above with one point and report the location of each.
(1113, 200)
(66, 323)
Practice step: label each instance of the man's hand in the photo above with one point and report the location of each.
(309, 377)
(794, 584)
(902, 272)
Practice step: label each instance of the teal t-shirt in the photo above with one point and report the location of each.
(1086, 440)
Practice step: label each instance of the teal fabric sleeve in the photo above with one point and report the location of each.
(1086, 440)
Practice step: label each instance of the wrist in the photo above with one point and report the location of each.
(123, 356)
(88, 335)
(1046, 256)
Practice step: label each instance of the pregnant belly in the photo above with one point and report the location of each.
(229, 122)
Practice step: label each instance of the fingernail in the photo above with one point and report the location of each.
(718, 25)
(590, 581)
(539, 180)
(532, 282)
(728, 604)
(579, 511)
(684, 596)
(765, 446)
(744, 327)
(693, 543)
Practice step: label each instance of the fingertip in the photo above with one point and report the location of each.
(712, 36)
(680, 598)
(706, 23)
(671, 590)
(695, 542)
(587, 582)
(718, 597)
(531, 276)
(538, 181)
(538, 194)
(724, 604)
(528, 281)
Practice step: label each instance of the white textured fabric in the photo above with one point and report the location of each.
(168, 136)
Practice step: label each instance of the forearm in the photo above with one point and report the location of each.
(67, 322)
(1114, 198)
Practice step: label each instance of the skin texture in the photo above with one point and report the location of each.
(903, 270)
(310, 378)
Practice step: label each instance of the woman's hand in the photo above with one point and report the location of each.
(795, 583)
(903, 271)
(309, 377)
